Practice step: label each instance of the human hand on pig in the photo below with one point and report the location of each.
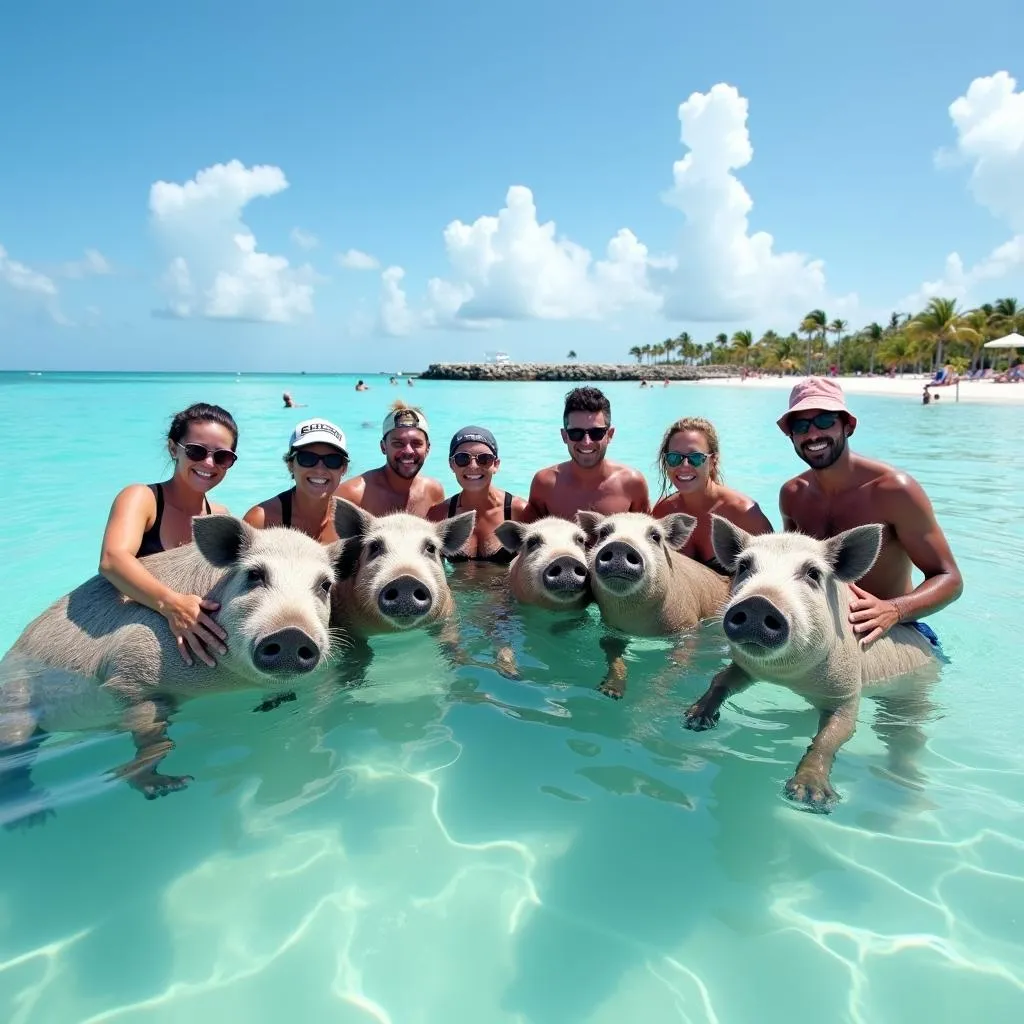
(193, 629)
(871, 615)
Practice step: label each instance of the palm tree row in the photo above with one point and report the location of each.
(938, 334)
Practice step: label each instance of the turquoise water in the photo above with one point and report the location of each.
(447, 845)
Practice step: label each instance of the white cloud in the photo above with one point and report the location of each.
(216, 271)
(356, 260)
(30, 288)
(396, 318)
(723, 272)
(989, 124)
(94, 263)
(304, 239)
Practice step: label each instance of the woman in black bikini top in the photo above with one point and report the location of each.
(317, 459)
(473, 457)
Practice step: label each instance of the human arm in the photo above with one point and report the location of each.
(910, 515)
(352, 490)
(132, 513)
(753, 520)
(437, 513)
(256, 517)
(537, 505)
(519, 507)
(787, 500)
(639, 496)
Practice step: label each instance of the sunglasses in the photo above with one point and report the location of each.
(695, 459)
(576, 434)
(823, 421)
(483, 460)
(307, 460)
(223, 457)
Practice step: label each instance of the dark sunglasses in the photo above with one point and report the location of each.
(823, 421)
(222, 457)
(483, 460)
(695, 459)
(307, 460)
(577, 434)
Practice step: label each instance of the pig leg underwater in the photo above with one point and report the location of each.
(147, 723)
(810, 783)
(20, 737)
(704, 712)
(614, 682)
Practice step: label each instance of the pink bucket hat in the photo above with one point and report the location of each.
(816, 393)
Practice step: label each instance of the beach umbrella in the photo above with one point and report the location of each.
(1010, 341)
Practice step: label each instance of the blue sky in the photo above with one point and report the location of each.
(375, 128)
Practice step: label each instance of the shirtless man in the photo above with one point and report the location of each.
(843, 490)
(397, 486)
(588, 480)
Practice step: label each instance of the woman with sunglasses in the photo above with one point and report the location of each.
(317, 459)
(473, 457)
(147, 518)
(690, 458)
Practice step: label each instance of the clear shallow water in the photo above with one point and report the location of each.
(447, 845)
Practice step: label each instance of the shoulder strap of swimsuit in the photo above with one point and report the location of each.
(285, 497)
(206, 506)
(453, 505)
(508, 505)
(158, 491)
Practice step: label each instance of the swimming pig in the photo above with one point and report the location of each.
(95, 658)
(787, 622)
(550, 567)
(642, 584)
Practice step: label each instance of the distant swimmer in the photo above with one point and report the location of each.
(360, 386)
(842, 490)
(588, 480)
(290, 403)
(397, 485)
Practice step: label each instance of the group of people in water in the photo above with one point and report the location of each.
(839, 490)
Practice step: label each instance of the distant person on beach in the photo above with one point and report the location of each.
(588, 480)
(397, 485)
(843, 490)
(147, 518)
(317, 459)
(473, 457)
(690, 457)
(360, 386)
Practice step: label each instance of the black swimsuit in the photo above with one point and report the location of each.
(285, 497)
(151, 542)
(499, 557)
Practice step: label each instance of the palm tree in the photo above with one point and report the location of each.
(572, 354)
(873, 336)
(1008, 316)
(684, 345)
(743, 341)
(637, 353)
(980, 322)
(837, 327)
(815, 323)
(940, 323)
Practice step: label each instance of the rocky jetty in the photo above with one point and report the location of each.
(574, 371)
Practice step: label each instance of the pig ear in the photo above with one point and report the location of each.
(511, 535)
(456, 531)
(678, 528)
(589, 521)
(853, 552)
(345, 556)
(727, 541)
(222, 539)
(350, 520)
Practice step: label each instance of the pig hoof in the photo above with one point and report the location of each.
(274, 702)
(698, 719)
(505, 663)
(611, 689)
(815, 794)
(151, 785)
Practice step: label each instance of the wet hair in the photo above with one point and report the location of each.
(701, 425)
(586, 400)
(200, 412)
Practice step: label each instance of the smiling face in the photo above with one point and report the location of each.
(479, 470)
(687, 478)
(587, 436)
(205, 474)
(405, 449)
(320, 480)
(819, 436)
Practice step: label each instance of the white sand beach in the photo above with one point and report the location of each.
(907, 387)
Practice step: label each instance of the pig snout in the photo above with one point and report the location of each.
(565, 575)
(619, 561)
(756, 620)
(405, 598)
(287, 652)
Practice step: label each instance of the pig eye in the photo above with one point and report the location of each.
(374, 549)
(256, 576)
(533, 543)
(742, 567)
(813, 574)
(655, 536)
(580, 540)
(430, 547)
(324, 586)
(604, 533)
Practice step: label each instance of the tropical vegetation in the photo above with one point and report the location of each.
(941, 333)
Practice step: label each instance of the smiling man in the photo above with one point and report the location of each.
(397, 485)
(842, 490)
(588, 480)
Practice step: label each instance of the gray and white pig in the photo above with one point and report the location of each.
(95, 658)
(642, 584)
(787, 622)
(550, 567)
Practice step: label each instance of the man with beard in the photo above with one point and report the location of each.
(397, 486)
(588, 480)
(843, 490)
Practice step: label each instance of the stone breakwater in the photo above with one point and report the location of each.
(574, 371)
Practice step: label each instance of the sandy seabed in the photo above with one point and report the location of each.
(909, 386)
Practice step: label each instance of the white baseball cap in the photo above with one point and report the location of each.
(404, 417)
(318, 432)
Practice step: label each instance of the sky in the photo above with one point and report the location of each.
(326, 186)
